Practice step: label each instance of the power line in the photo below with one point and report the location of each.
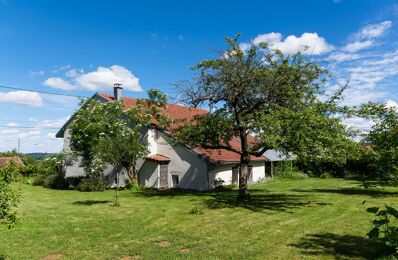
(43, 92)
(30, 127)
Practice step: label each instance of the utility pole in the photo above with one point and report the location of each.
(19, 144)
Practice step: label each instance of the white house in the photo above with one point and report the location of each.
(171, 164)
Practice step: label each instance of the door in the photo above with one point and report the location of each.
(250, 176)
(164, 172)
(235, 175)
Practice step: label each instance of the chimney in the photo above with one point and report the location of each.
(117, 91)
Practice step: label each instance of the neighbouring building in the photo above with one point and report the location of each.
(14, 159)
(172, 164)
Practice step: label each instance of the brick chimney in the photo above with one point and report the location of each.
(117, 91)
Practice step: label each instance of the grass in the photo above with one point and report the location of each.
(311, 218)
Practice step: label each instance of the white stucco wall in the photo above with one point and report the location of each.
(191, 169)
(148, 174)
(224, 172)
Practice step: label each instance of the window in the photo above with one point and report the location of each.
(175, 179)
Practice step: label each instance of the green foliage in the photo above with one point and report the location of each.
(56, 181)
(107, 133)
(385, 226)
(196, 211)
(134, 186)
(291, 174)
(8, 196)
(383, 138)
(326, 175)
(92, 184)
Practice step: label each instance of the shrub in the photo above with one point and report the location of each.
(92, 184)
(8, 196)
(326, 175)
(74, 181)
(291, 174)
(196, 211)
(38, 181)
(29, 170)
(218, 182)
(225, 188)
(385, 227)
(133, 186)
(56, 181)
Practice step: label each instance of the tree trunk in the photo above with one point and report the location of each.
(244, 165)
(132, 173)
(243, 176)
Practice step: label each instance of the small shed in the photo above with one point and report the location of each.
(275, 156)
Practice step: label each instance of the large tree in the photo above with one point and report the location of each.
(264, 93)
(107, 133)
(383, 136)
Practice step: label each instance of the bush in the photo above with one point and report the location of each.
(92, 184)
(218, 182)
(133, 186)
(385, 227)
(225, 188)
(196, 211)
(56, 181)
(326, 175)
(29, 170)
(291, 175)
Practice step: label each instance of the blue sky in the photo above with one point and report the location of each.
(79, 47)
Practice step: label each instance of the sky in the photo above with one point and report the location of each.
(79, 47)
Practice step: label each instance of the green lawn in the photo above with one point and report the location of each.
(312, 218)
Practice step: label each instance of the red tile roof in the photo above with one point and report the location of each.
(15, 159)
(158, 158)
(175, 112)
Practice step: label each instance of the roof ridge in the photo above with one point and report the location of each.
(108, 96)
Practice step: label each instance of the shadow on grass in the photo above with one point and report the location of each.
(341, 246)
(260, 200)
(353, 191)
(90, 202)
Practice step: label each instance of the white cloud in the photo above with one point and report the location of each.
(36, 73)
(12, 124)
(51, 135)
(373, 30)
(180, 38)
(59, 83)
(103, 78)
(307, 43)
(28, 98)
(358, 123)
(268, 38)
(340, 56)
(365, 37)
(57, 123)
(358, 45)
(153, 36)
(73, 73)
(61, 68)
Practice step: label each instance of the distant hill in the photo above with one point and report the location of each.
(39, 156)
